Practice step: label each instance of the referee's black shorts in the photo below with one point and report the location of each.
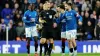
(47, 33)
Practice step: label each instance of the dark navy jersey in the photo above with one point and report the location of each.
(63, 22)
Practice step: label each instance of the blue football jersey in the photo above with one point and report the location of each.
(71, 19)
(29, 16)
(63, 22)
(61, 19)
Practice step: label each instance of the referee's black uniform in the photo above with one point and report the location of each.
(47, 30)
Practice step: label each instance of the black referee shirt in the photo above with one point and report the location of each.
(48, 16)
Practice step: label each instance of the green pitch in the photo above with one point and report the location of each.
(79, 54)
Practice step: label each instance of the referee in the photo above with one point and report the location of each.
(47, 20)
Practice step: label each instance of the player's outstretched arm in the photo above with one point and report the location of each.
(80, 19)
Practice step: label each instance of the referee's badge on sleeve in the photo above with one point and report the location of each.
(50, 16)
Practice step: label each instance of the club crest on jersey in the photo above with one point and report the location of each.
(44, 17)
(71, 13)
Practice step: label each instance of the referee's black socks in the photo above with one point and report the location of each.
(41, 45)
(46, 47)
(50, 48)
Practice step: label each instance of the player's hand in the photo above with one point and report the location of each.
(39, 26)
(43, 21)
(32, 19)
(54, 25)
(80, 23)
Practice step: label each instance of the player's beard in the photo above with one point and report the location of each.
(32, 9)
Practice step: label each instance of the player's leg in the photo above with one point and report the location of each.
(63, 39)
(74, 42)
(50, 46)
(70, 44)
(28, 35)
(35, 35)
(70, 47)
(28, 46)
(63, 46)
(46, 47)
(36, 44)
(43, 40)
(74, 47)
(51, 41)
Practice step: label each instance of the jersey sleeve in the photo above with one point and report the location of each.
(54, 18)
(78, 16)
(36, 19)
(59, 20)
(41, 14)
(25, 18)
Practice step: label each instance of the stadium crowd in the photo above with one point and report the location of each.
(11, 13)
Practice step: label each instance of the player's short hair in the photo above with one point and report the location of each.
(31, 4)
(62, 6)
(70, 4)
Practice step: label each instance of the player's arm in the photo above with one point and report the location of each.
(25, 17)
(80, 19)
(36, 19)
(41, 18)
(54, 20)
(57, 18)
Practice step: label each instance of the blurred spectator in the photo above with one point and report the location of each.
(93, 4)
(3, 25)
(12, 31)
(40, 7)
(97, 29)
(6, 11)
(35, 2)
(32, 1)
(85, 19)
(10, 2)
(76, 9)
(24, 6)
(93, 18)
(97, 8)
(16, 9)
(82, 14)
(43, 1)
(2, 30)
(89, 31)
(80, 32)
(7, 19)
(85, 5)
(17, 18)
(52, 6)
(20, 31)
